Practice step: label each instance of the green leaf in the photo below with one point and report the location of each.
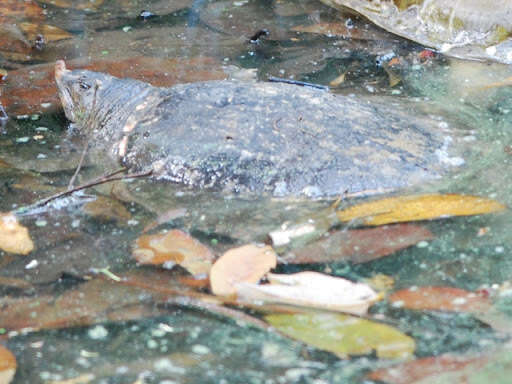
(344, 335)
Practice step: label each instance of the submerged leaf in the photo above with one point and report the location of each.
(311, 289)
(7, 365)
(14, 237)
(49, 32)
(174, 247)
(441, 299)
(244, 264)
(107, 209)
(359, 245)
(344, 335)
(417, 370)
(414, 208)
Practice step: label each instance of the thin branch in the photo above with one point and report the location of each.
(79, 166)
(113, 176)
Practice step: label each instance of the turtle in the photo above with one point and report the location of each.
(250, 137)
(469, 29)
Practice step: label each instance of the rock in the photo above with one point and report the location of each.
(237, 136)
(470, 29)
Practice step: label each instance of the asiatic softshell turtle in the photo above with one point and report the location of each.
(257, 137)
(472, 29)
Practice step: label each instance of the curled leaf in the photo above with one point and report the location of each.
(174, 247)
(414, 208)
(344, 335)
(311, 289)
(14, 237)
(244, 264)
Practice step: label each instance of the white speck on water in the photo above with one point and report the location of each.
(35, 117)
(41, 129)
(32, 264)
(152, 344)
(98, 332)
(127, 28)
(422, 244)
(23, 139)
(295, 374)
(200, 349)
(41, 222)
(132, 222)
(166, 365)
(499, 249)
(42, 156)
(75, 223)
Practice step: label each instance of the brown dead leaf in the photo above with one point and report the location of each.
(16, 9)
(7, 365)
(174, 247)
(311, 289)
(244, 264)
(441, 299)
(49, 32)
(32, 89)
(360, 245)
(415, 371)
(414, 208)
(75, 4)
(107, 209)
(14, 237)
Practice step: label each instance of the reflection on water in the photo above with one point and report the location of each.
(188, 41)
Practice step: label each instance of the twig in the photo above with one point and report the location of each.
(273, 79)
(79, 166)
(100, 180)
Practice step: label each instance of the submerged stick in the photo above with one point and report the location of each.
(109, 177)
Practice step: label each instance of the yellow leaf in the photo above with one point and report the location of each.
(7, 365)
(344, 335)
(14, 238)
(414, 208)
(247, 264)
(49, 32)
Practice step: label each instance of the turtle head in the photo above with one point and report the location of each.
(79, 90)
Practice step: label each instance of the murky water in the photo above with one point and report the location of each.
(174, 342)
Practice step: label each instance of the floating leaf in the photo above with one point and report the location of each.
(311, 289)
(344, 335)
(7, 365)
(107, 209)
(413, 208)
(174, 247)
(441, 299)
(49, 32)
(415, 371)
(245, 264)
(14, 237)
(359, 245)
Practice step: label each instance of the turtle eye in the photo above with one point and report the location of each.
(83, 84)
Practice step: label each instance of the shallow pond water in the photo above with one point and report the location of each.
(64, 318)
